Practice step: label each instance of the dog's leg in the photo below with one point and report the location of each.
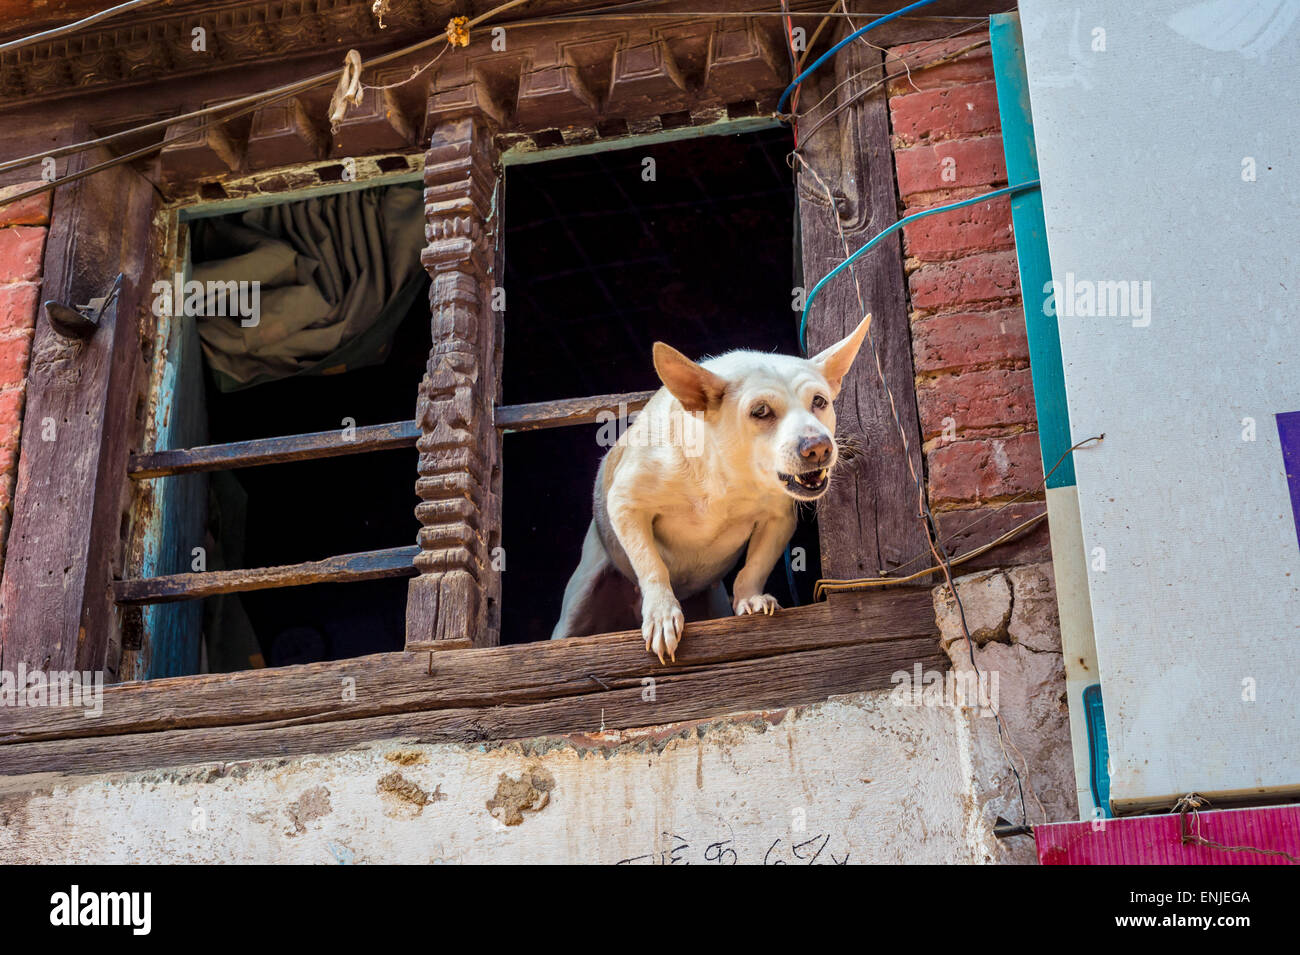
(712, 603)
(581, 586)
(765, 547)
(719, 602)
(662, 620)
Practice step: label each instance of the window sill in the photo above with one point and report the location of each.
(851, 642)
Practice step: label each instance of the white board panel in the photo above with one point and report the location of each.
(1167, 136)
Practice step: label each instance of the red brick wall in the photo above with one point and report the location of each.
(973, 384)
(23, 225)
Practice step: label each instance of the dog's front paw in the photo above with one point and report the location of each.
(662, 624)
(759, 603)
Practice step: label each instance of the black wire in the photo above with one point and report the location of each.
(789, 41)
(933, 531)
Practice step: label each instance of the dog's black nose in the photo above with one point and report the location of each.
(815, 449)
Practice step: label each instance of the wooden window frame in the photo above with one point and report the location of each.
(451, 682)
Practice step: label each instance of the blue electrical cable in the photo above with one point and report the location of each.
(807, 307)
(780, 106)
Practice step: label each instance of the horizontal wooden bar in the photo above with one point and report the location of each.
(375, 437)
(368, 565)
(567, 412)
(295, 447)
(850, 642)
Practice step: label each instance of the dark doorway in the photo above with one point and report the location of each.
(600, 262)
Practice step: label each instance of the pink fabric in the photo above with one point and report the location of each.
(1156, 840)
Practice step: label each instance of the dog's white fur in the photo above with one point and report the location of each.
(697, 479)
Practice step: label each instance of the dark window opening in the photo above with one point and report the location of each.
(342, 342)
(600, 262)
(310, 510)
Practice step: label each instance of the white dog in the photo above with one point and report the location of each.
(712, 467)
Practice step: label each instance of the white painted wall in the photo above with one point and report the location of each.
(858, 779)
(1142, 147)
(884, 776)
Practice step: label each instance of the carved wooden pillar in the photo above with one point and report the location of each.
(457, 593)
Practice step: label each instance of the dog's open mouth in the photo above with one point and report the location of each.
(808, 484)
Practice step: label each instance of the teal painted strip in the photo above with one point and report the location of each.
(1098, 749)
(179, 516)
(527, 155)
(1031, 246)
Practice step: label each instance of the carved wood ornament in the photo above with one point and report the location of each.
(457, 593)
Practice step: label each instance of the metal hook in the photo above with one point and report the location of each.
(82, 321)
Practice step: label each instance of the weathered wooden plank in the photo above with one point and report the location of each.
(375, 437)
(282, 450)
(404, 682)
(685, 694)
(868, 520)
(64, 544)
(569, 411)
(348, 568)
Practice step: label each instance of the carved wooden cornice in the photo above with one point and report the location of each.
(563, 84)
(158, 43)
(560, 83)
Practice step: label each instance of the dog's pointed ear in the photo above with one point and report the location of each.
(697, 388)
(834, 363)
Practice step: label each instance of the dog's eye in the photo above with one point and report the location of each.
(819, 403)
(760, 411)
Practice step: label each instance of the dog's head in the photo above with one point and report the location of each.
(770, 415)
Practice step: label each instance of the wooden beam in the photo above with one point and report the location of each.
(570, 411)
(147, 73)
(787, 680)
(375, 437)
(295, 447)
(868, 520)
(852, 642)
(78, 426)
(367, 565)
(403, 682)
